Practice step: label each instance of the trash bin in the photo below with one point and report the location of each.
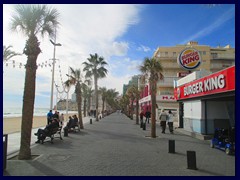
(66, 131)
(5, 142)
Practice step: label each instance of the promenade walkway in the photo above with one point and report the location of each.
(116, 146)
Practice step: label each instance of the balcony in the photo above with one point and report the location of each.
(167, 82)
(216, 56)
(221, 66)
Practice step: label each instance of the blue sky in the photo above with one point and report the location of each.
(123, 34)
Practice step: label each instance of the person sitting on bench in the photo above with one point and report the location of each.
(41, 133)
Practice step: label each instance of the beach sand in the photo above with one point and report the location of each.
(13, 124)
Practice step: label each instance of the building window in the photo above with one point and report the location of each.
(204, 52)
(174, 54)
(214, 55)
(159, 54)
(166, 54)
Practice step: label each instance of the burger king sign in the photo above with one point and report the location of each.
(189, 58)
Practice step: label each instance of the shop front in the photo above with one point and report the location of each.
(208, 102)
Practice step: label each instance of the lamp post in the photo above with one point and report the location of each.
(56, 96)
(54, 51)
(67, 95)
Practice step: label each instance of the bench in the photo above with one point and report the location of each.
(76, 127)
(51, 134)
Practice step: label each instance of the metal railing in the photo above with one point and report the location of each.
(5, 144)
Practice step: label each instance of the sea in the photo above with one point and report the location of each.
(9, 112)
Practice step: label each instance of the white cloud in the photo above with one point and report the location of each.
(84, 29)
(143, 48)
(213, 26)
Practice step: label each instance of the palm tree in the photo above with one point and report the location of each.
(31, 20)
(8, 53)
(104, 94)
(95, 67)
(89, 96)
(111, 96)
(130, 94)
(152, 68)
(84, 95)
(124, 101)
(76, 80)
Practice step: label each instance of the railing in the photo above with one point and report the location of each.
(167, 82)
(5, 144)
(222, 56)
(220, 66)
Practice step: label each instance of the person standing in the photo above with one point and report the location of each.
(141, 116)
(163, 119)
(49, 117)
(170, 121)
(61, 119)
(148, 115)
(56, 115)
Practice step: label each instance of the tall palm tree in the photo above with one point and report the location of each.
(95, 67)
(31, 20)
(75, 79)
(8, 53)
(104, 94)
(152, 68)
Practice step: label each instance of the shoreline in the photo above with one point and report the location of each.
(13, 124)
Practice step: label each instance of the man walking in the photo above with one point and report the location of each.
(163, 119)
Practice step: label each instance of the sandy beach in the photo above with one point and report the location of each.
(13, 124)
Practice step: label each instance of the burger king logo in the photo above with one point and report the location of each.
(189, 58)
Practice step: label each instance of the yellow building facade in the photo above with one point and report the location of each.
(212, 60)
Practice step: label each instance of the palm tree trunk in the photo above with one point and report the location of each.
(103, 104)
(96, 96)
(79, 102)
(84, 107)
(132, 109)
(137, 111)
(32, 50)
(89, 103)
(153, 112)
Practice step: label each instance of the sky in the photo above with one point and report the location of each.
(123, 34)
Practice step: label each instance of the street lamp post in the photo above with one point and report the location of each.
(54, 51)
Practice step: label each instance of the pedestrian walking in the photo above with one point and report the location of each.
(163, 119)
(141, 116)
(148, 115)
(170, 121)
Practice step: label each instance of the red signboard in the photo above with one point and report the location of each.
(219, 82)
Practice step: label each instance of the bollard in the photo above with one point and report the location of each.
(5, 151)
(171, 146)
(144, 126)
(191, 160)
(65, 131)
(90, 121)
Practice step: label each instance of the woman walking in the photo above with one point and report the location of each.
(170, 121)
